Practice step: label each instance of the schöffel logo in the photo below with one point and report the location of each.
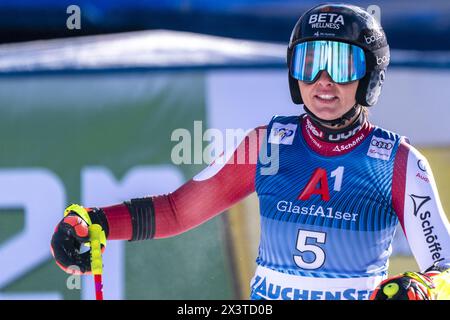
(282, 133)
(418, 202)
(380, 148)
(428, 229)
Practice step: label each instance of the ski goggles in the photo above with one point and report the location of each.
(343, 62)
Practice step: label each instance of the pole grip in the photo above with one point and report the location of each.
(95, 236)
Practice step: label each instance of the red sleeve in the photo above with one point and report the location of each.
(399, 182)
(208, 194)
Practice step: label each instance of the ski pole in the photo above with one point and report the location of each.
(95, 234)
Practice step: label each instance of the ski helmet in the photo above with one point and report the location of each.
(349, 24)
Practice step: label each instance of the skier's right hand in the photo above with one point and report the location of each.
(70, 237)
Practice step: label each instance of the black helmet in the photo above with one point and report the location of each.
(349, 24)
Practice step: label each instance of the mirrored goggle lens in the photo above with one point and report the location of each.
(343, 62)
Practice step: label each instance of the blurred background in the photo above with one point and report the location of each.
(91, 91)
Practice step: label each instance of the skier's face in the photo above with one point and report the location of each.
(326, 99)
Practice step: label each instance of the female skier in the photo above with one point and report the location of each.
(330, 209)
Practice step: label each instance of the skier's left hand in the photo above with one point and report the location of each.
(405, 286)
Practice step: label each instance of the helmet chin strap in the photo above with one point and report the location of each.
(335, 122)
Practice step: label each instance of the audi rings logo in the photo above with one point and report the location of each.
(380, 148)
(381, 144)
(383, 59)
(421, 165)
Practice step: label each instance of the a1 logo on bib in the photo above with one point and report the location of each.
(282, 133)
(380, 148)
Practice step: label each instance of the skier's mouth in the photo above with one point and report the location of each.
(326, 98)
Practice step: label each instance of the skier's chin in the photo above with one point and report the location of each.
(327, 112)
